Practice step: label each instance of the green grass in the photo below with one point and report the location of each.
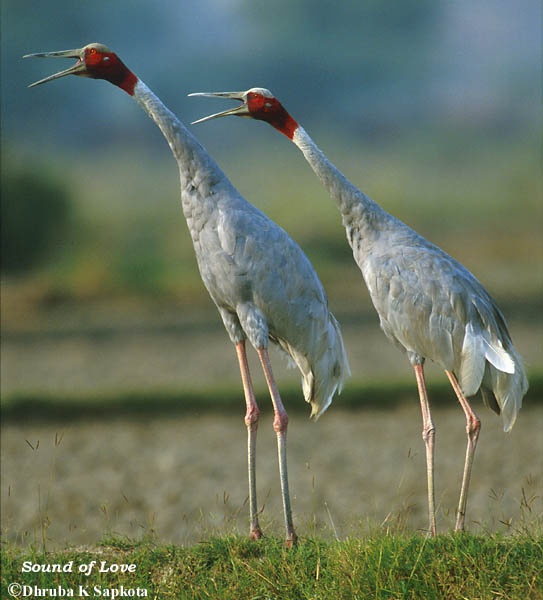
(380, 566)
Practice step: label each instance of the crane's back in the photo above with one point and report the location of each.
(433, 308)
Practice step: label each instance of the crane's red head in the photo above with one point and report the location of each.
(256, 103)
(96, 61)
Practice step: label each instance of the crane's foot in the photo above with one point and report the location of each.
(256, 533)
(429, 533)
(292, 539)
(459, 525)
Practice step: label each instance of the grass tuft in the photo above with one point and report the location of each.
(379, 566)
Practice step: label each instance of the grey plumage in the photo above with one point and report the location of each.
(431, 307)
(260, 280)
(428, 304)
(262, 283)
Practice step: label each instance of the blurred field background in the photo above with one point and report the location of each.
(432, 108)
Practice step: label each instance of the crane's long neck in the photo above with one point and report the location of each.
(199, 173)
(354, 205)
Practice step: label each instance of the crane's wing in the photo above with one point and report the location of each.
(262, 281)
(433, 307)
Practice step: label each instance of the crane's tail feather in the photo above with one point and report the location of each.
(324, 370)
(477, 349)
(498, 372)
(472, 362)
(508, 389)
(329, 370)
(495, 354)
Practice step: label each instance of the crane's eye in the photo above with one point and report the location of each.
(95, 59)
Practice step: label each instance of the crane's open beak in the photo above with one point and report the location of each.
(239, 111)
(78, 69)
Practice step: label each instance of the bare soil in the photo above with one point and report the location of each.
(184, 478)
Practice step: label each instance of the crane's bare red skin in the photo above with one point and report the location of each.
(108, 66)
(271, 111)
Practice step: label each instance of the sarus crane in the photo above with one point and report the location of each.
(428, 304)
(262, 283)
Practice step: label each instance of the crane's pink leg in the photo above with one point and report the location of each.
(280, 423)
(473, 427)
(251, 420)
(428, 435)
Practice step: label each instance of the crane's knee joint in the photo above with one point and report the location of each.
(251, 418)
(473, 427)
(428, 433)
(280, 422)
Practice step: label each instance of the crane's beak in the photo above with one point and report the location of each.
(239, 111)
(78, 69)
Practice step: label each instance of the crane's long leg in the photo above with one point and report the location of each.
(251, 420)
(428, 435)
(473, 427)
(280, 423)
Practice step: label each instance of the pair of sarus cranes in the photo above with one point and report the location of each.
(266, 289)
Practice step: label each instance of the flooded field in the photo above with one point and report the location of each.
(184, 478)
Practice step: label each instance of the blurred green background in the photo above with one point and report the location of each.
(432, 108)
